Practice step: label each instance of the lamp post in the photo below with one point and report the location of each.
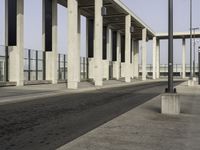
(170, 49)
(199, 64)
(191, 40)
(194, 52)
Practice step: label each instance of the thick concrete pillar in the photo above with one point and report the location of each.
(108, 54)
(73, 45)
(132, 57)
(183, 58)
(90, 47)
(16, 51)
(158, 59)
(144, 54)
(117, 63)
(51, 67)
(136, 59)
(79, 45)
(98, 33)
(127, 49)
(154, 57)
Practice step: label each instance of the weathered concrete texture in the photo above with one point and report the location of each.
(190, 82)
(105, 69)
(145, 128)
(90, 68)
(116, 70)
(123, 69)
(170, 103)
(16, 53)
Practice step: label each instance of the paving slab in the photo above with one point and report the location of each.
(145, 128)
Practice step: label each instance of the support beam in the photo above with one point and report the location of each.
(183, 58)
(158, 60)
(98, 36)
(127, 49)
(136, 59)
(50, 44)
(73, 48)
(154, 57)
(16, 45)
(144, 54)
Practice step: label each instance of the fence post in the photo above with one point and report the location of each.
(29, 64)
(6, 64)
(64, 67)
(44, 65)
(36, 65)
(59, 76)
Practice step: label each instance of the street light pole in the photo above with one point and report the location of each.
(194, 52)
(199, 64)
(170, 49)
(191, 40)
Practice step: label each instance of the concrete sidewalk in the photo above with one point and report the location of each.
(19, 94)
(144, 128)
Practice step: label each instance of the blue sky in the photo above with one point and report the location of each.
(152, 12)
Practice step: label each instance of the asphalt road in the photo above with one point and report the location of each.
(48, 123)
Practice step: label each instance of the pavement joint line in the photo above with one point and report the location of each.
(29, 97)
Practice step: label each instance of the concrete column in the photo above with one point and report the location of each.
(136, 59)
(144, 54)
(73, 45)
(98, 33)
(183, 58)
(109, 46)
(132, 57)
(116, 65)
(16, 53)
(90, 47)
(154, 57)
(127, 49)
(52, 56)
(79, 45)
(158, 59)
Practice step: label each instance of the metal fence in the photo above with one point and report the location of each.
(164, 69)
(33, 65)
(62, 67)
(3, 63)
(84, 68)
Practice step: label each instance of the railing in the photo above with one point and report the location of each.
(84, 68)
(3, 64)
(62, 67)
(33, 65)
(164, 69)
(34, 62)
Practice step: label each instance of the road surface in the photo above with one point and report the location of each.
(48, 123)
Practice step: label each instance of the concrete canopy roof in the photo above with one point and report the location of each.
(116, 16)
(178, 35)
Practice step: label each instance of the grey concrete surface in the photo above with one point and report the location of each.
(26, 93)
(48, 123)
(145, 128)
